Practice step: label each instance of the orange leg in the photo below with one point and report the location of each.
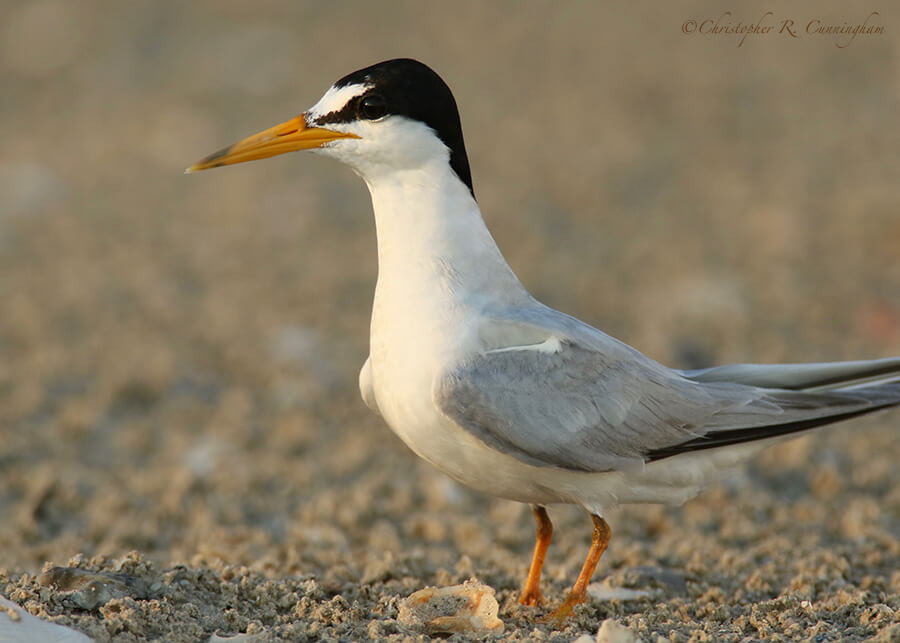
(531, 592)
(599, 541)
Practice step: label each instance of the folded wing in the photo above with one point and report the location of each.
(589, 403)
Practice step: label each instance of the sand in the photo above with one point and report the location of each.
(178, 355)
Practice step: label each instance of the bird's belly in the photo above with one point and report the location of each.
(402, 382)
(466, 459)
(471, 462)
(403, 392)
(408, 409)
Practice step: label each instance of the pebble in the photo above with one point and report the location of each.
(470, 607)
(91, 590)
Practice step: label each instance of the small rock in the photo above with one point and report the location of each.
(470, 607)
(604, 592)
(90, 590)
(238, 638)
(612, 632)
(673, 581)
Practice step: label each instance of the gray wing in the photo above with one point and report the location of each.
(587, 402)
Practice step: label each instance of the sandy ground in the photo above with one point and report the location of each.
(178, 355)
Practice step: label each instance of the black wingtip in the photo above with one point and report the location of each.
(731, 437)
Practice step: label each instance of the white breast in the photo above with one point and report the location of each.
(437, 266)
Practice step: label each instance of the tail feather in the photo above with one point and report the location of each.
(809, 395)
(799, 377)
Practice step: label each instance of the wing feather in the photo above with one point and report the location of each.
(595, 404)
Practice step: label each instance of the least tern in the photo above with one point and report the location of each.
(502, 393)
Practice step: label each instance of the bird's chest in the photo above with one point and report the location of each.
(412, 338)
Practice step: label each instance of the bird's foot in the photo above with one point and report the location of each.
(532, 597)
(558, 616)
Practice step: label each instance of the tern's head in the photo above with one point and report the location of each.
(395, 115)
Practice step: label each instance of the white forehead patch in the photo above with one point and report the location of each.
(335, 98)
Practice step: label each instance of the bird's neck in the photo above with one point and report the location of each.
(431, 237)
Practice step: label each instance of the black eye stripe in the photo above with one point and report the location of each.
(352, 111)
(346, 114)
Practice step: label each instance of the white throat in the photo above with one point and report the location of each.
(439, 269)
(432, 240)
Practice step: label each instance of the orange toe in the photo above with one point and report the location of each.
(564, 611)
(531, 598)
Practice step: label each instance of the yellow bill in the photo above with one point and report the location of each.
(289, 136)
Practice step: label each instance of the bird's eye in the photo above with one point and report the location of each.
(372, 106)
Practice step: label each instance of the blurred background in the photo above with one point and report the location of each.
(179, 354)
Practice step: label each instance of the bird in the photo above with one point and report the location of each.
(504, 394)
